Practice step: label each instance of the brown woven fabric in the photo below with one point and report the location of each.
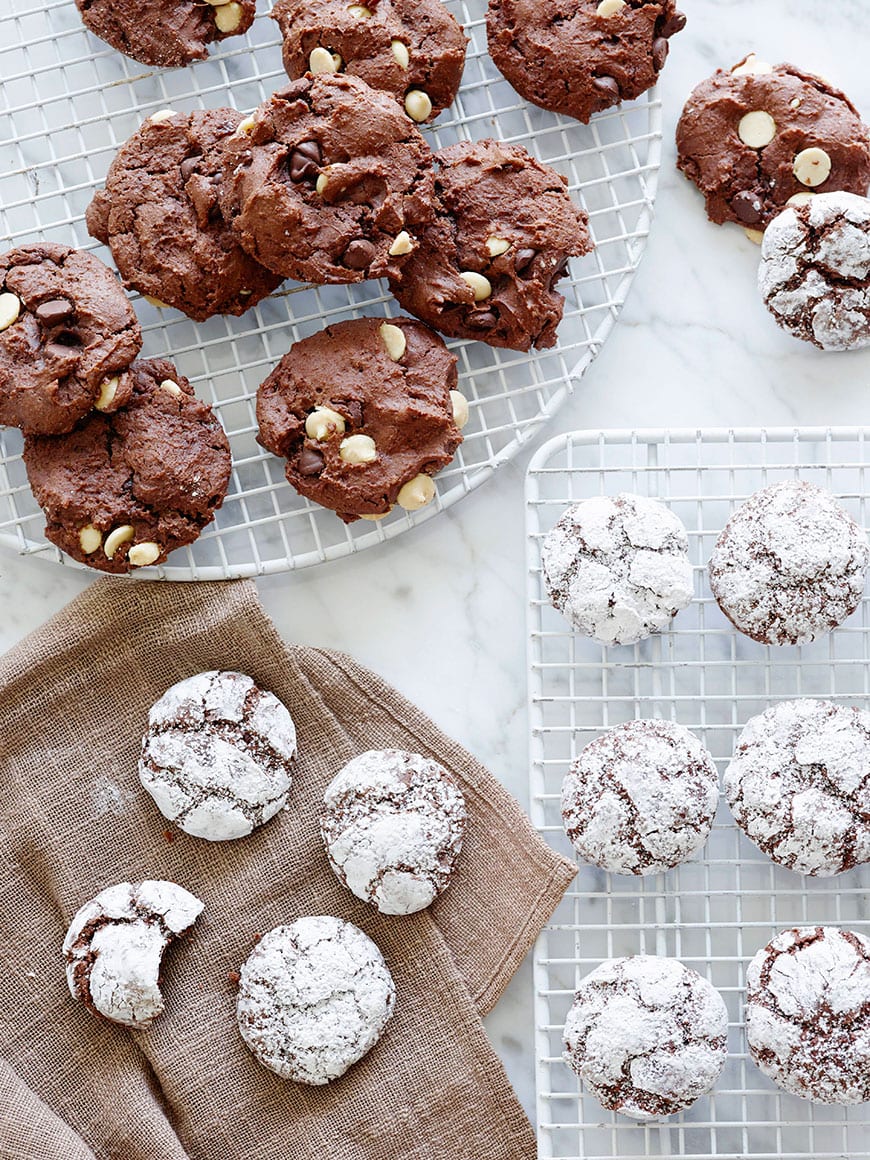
(73, 704)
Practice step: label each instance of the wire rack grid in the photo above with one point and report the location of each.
(67, 102)
(717, 910)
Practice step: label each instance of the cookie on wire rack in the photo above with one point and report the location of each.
(167, 35)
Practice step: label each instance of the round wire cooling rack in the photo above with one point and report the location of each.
(68, 102)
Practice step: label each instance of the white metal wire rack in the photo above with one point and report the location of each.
(716, 911)
(67, 102)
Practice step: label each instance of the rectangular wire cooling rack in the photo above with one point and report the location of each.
(717, 910)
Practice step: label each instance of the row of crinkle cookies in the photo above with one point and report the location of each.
(315, 995)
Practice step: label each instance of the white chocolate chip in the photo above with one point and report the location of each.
(403, 244)
(322, 182)
(10, 308)
(228, 17)
(323, 423)
(460, 408)
(417, 493)
(90, 538)
(358, 449)
(812, 167)
(121, 535)
(169, 385)
(393, 338)
(497, 246)
(610, 7)
(400, 52)
(796, 103)
(141, 555)
(322, 60)
(375, 516)
(757, 129)
(751, 67)
(156, 302)
(161, 115)
(801, 198)
(417, 105)
(360, 11)
(756, 236)
(107, 394)
(481, 286)
(246, 126)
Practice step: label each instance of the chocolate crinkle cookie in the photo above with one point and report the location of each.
(166, 35)
(114, 947)
(66, 328)
(328, 181)
(364, 413)
(314, 998)
(618, 569)
(799, 785)
(160, 216)
(790, 564)
(581, 56)
(122, 490)
(392, 825)
(641, 798)
(758, 135)
(815, 271)
(488, 264)
(413, 49)
(218, 755)
(808, 1013)
(646, 1035)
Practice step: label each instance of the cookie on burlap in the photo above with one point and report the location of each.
(618, 569)
(808, 1013)
(799, 785)
(392, 825)
(115, 943)
(169, 34)
(66, 327)
(646, 1035)
(314, 998)
(123, 490)
(218, 755)
(790, 564)
(641, 798)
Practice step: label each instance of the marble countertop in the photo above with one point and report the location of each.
(440, 613)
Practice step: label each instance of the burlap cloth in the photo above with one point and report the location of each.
(73, 703)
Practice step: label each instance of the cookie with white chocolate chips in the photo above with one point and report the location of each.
(365, 412)
(66, 328)
(166, 35)
(758, 135)
(122, 490)
(414, 49)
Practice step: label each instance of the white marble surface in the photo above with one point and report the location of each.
(440, 613)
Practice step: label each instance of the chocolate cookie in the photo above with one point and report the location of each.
(799, 786)
(413, 49)
(646, 1035)
(328, 181)
(159, 213)
(121, 491)
(365, 412)
(815, 271)
(66, 328)
(581, 56)
(166, 35)
(753, 137)
(488, 264)
(790, 564)
(808, 1013)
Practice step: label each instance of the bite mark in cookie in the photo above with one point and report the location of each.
(166, 35)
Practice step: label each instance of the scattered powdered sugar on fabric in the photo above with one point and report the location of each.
(107, 797)
(641, 798)
(393, 824)
(799, 785)
(314, 997)
(647, 1035)
(790, 564)
(618, 569)
(808, 1013)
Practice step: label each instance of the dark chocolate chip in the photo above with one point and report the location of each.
(748, 207)
(676, 24)
(607, 85)
(305, 161)
(310, 462)
(352, 410)
(481, 320)
(54, 311)
(188, 166)
(661, 48)
(359, 254)
(524, 259)
(560, 271)
(58, 350)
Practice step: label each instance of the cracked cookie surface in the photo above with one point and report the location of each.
(167, 35)
(115, 943)
(641, 798)
(790, 564)
(808, 1013)
(647, 1035)
(159, 215)
(618, 569)
(314, 998)
(122, 490)
(65, 327)
(799, 785)
(581, 56)
(392, 825)
(218, 755)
